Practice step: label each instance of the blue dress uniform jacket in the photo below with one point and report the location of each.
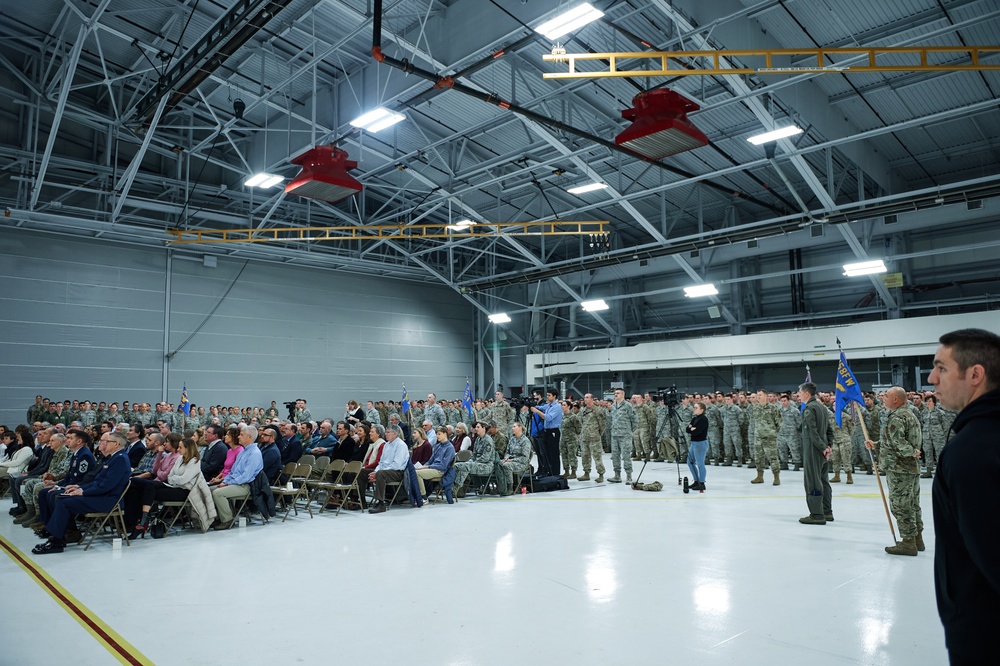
(101, 494)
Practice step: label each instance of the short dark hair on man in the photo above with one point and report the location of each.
(83, 435)
(808, 387)
(139, 429)
(217, 429)
(975, 346)
(552, 391)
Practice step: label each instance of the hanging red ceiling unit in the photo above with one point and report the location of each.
(324, 175)
(660, 127)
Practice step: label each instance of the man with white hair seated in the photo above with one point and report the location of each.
(236, 485)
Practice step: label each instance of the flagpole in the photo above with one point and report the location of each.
(878, 478)
(885, 503)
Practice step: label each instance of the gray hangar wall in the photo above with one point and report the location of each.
(84, 319)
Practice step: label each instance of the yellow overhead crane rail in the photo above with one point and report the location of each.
(707, 63)
(387, 232)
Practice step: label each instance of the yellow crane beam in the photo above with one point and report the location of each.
(386, 231)
(822, 61)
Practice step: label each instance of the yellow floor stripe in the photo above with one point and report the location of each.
(121, 649)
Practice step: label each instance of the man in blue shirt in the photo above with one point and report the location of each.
(236, 485)
(324, 443)
(100, 495)
(390, 468)
(548, 449)
(441, 459)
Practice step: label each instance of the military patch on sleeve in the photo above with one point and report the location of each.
(83, 466)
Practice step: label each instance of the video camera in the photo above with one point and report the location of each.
(525, 401)
(668, 396)
(290, 406)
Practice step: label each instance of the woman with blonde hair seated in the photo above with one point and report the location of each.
(184, 475)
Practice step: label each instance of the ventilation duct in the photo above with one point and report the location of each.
(324, 175)
(660, 127)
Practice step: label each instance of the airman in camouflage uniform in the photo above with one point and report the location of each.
(593, 423)
(481, 463)
(937, 424)
(840, 457)
(900, 443)
(641, 437)
(732, 418)
(30, 487)
(714, 414)
(517, 459)
(624, 421)
(88, 416)
(789, 437)
(372, 415)
(569, 441)
(685, 412)
(302, 413)
(746, 427)
(455, 413)
(499, 439)
(766, 423)
(501, 413)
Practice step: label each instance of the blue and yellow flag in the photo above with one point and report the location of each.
(847, 389)
(467, 398)
(185, 403)
(405, 402)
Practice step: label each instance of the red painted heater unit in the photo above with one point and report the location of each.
(660, 127)
(324, 175)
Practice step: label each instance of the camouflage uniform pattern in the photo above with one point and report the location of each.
(766, 423)
(732, 418)
(88, 417)
(435, 415)
(900, 444)
(714, 414)
(502, 414)
(645, 432)
(301, 415)
(569, 441)
(481, 462)
(624, 421)
(840, 457)
(937, 423)
(684, 415)
(519, 452)
(58, 467)
(789, 435)
(500, 443)
(593, 423)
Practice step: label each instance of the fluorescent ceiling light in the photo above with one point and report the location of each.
(461, 225)
(569, 21)
(774, 135)
(864, 268)
(595, 306)
(589, 187)
(263, 180)
(499, 318)
(378, 119)
(699, 290)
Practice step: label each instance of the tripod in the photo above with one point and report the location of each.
(672, 418)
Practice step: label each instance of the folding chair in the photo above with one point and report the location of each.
(480, 483)
(330, 475)
(307, 459)
(97, 520)
(352, 470)
(177, 510)
(289, 496)
(319, 467)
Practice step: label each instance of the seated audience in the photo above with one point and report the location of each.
(390, 468)
(437, 465)
(236, 485)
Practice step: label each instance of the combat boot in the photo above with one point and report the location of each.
(759, 478)
(728, 463)
(784, 467)
(777, 479)
(905, 547)
(585, 477)
(600, 478)
(850, 478)
(798, 467)
(836, 477)
(628, 478)
(926, 475)
(572, 473)
(920, 541)
(27, 517)
(615, 479)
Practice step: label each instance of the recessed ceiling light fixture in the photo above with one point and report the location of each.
(700, 290)
(499, 318)
(570, 20)
(865, 268)
(595, 306)
(263, 180)
(461, 225)
(376, 120)
(589, 187)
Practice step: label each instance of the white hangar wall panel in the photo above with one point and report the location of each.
(83, 319)
(915, 336)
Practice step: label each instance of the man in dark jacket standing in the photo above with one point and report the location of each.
(966, 497)
(817, 436)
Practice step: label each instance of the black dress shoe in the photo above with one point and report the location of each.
(50, 546)
(378, 508)
(42, 533)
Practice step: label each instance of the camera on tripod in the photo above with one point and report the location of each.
(668, 396)
(522, 401)
(290, 406)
